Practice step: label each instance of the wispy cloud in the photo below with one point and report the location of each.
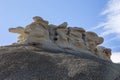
(112, 22)
(111, 25)
(112, 39)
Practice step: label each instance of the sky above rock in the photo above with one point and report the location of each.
(100, 16)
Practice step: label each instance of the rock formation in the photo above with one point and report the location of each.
(106, 52)
(30, 62)
(60, 37)
(56, 52)
(21, 32)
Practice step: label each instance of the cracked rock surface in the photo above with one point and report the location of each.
(30, 62)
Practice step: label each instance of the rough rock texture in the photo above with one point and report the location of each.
(30, 62)
(56, 52)
(61, 37)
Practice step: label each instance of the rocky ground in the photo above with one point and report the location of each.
(27, 62)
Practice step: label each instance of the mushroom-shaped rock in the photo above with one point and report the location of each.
(92, 40)
(37, 18)
(20, 31)
(41, 21)
(100, 40)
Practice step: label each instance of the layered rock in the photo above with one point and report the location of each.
(21, 32)
(61, 37)
(106, 52)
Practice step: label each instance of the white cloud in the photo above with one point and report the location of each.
(116, 57)
(112, 22)
(111, 25)
(112, 39)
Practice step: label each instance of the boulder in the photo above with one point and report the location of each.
(30, 62)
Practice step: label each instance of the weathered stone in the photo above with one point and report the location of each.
(37, 33)
(103, 53)
(62, 39)
(41, 21)
(59, 37)
(92, 40)
(63, 25)
(21, 32)
(56, 52)
(76, 38)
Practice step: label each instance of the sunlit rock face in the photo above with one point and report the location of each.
(61, 37)
(37, 31)
(106, 52)
(21, 32)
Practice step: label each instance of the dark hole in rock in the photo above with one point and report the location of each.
(55, 39)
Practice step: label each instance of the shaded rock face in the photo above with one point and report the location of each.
(29, 62)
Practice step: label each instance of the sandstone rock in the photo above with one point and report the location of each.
(37, 33)
(103, 53)
(56, 52)
(76, 38)
(21, 32)
(59, 37)
(62, 38)
(41, 21)
(92, 40)
(63, 25)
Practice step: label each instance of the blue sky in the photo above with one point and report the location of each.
(94, 15)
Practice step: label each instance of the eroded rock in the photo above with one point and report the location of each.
(37, 30)
(21, 32)
(61, 37)
(92, 40)
(103, 53)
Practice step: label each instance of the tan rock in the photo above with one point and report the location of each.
(40, 21)
(60, 37)
(63, 25)
(103, 53)
(76, 33)
(20, 31)
(76, 38)
(37, 33)
(92, 40)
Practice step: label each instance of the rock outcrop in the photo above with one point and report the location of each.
(60, 37)
(56, 52)
(30, 62)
